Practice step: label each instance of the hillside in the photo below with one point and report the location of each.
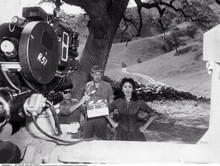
(144, 48)
(186, 71)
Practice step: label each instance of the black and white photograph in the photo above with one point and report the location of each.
(90, 82)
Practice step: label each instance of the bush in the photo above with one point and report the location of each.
(139, 60)
(157, 91)
(163, 92)
(191, 31)
(178, 20)
(174, 40)
(123, 64)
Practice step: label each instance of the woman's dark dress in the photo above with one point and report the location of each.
(128, 128)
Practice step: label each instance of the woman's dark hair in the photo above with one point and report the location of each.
(134, 96)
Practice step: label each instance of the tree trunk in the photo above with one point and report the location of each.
(96, 51)
(103, 24)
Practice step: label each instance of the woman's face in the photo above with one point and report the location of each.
(127, 88)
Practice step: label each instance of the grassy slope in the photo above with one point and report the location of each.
(145, 48)
(184, 71)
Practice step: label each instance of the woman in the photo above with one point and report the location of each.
(129, 106)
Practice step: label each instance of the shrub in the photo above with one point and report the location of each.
(191, 31)
(139, 60)
(123, 64)
(156, 91)
(174, 39)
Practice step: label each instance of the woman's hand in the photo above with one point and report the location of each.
(111, 121)
(161, 116)
(147, 124)
(142, 129)
(114, 124)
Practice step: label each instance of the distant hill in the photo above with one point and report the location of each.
(186, 71)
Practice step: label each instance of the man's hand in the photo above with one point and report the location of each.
(57, 108)
(85, 98)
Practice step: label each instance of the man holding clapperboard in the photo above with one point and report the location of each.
(101, 95)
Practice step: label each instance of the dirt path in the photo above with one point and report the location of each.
(145, 77)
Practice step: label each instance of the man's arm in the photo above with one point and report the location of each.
(82, 101)
(74, 107)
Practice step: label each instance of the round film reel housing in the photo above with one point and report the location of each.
(38, 52)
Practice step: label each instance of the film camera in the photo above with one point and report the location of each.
(35, 53)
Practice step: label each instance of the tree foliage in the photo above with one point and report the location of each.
(191, 30)
(174, 39)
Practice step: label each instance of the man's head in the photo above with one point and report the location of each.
(66, 94)
(97, 73)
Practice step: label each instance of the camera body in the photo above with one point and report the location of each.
(35, 53)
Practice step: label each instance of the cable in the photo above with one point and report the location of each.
(56, 138)
(56, 119)
(34, 114)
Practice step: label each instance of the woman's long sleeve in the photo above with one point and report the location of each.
(145, 107)
(113, 106)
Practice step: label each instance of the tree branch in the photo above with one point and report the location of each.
(170, 5)
(161, 5)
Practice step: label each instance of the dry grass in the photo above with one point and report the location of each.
(182, 121)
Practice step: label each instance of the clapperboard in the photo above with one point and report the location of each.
(97, 108)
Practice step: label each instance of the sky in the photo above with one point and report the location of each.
(10, 8)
